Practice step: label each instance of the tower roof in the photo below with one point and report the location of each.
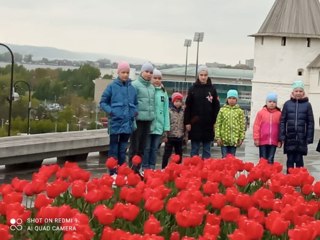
(292, 18)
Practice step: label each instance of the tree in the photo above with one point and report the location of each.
(27, 58)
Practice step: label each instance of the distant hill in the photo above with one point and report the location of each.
(55, 53)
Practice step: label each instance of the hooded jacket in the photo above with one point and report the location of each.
(145, 95)
(119, 101)
(161, 122)
(297, 126)
(202, 107)
(266, 126)
(230, 126)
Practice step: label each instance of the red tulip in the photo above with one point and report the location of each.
(79, 174)
(211, 230)
(93, 196)
(111, 163)
(34, 187)
(175, 158)
(131, 195)
(302, 232)
(136, 160)
(73, 236)
(218, 200)
(12, 197)
(175, 236)
(243, 201)
(42, 201)
(231, 194)
(130, 212)
(152, 226)
(78, 188)
(154, 205)
(174, 205)
(56, 188)
(124, 170)
(251, 228)
(120, 180)
(133, 179)
(104, 215)
(6, 188)
(316, 188)
(238, 235)
(307, 189)
(276, 224)
(242, 180)
(5, 232)
(213, 219)
(18, 184)
(227, 180)
(230, 213)
(255, 214)
(210, 187)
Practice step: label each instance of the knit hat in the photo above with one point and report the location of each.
(123, 66)
(232, 93)
(147, 67)
(157, 73)
(202, 68)
(176, 96)
(272, 97)
(298, 84)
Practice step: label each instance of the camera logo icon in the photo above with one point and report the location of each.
(16, 224)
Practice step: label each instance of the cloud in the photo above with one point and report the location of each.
(153, 30)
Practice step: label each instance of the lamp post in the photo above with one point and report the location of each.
(198, 37)
(11, 88)
(29, 103)
(187, 43)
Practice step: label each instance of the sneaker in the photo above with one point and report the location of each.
(141, 173)
(114, 176)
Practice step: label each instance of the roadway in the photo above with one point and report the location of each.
(247, 152)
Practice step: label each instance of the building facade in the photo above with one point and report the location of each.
(287, 48)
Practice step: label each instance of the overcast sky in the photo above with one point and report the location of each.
(146, 29)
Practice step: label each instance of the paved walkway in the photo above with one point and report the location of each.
(247, 152)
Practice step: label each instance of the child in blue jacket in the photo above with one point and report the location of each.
(119, 101)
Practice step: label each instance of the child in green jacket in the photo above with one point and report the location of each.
(230, 125)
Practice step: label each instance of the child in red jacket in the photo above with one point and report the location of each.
(266, 128)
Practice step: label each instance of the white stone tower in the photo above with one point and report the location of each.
(287, 48)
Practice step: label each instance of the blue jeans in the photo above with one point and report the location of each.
(150, 152)
(118, 147)
(195, 148)
(267, 152)
(228, 150)
(294, 158)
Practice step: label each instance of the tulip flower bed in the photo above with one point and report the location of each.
(211, 199)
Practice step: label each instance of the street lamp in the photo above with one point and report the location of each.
(11, 88)
(187, 43)
(198, 37)
(29, 104)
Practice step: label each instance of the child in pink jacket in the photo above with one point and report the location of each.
(266, 128)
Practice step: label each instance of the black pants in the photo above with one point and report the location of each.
(294, 159)
(175, 143)
(138, 141)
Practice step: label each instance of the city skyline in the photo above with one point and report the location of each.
(149, 31)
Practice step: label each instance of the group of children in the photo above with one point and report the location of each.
(140, 110)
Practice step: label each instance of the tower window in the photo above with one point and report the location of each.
(300, 72)
(319, 79)
(262, 40)
(283, 41)
(308, 42)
